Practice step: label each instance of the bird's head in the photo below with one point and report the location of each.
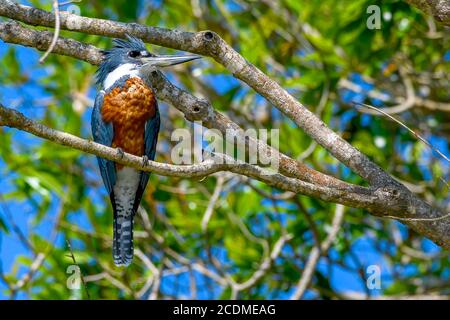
(133, 52)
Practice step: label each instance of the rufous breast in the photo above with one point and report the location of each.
(128, 108)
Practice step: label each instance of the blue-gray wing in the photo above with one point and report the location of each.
(103, 133)
(150, 140)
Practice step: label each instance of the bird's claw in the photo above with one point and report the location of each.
(144, 161)
(120, 152)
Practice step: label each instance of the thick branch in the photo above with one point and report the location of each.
(221, 162)
(439, 9)
(193, 108)
(375, 202)
(387, 197)
(210, 44)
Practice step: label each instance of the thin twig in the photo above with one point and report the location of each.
(75, 262)
(419, 219)
(23, 238)
(69, 2)
(406, 127)
(316, 252)
(157, 282)
(212, 203)
(55, 35)
(265, 265)
(407, 103)
(40, 257)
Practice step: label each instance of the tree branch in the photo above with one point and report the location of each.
(56, 34)
(316, 252)
(385, 197)
(216, 163)
(193, 108)
(210, 44)
(379, 201)
(439, 9)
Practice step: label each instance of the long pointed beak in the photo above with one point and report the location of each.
(166, 61)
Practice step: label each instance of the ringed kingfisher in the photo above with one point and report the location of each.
(126, 117)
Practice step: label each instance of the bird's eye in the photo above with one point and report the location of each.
(134, 53)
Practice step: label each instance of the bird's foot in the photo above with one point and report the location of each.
(144, 161)
(120, 152)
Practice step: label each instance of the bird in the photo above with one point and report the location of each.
(126, 117)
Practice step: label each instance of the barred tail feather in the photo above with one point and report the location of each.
(123, 239)
(124, 203)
